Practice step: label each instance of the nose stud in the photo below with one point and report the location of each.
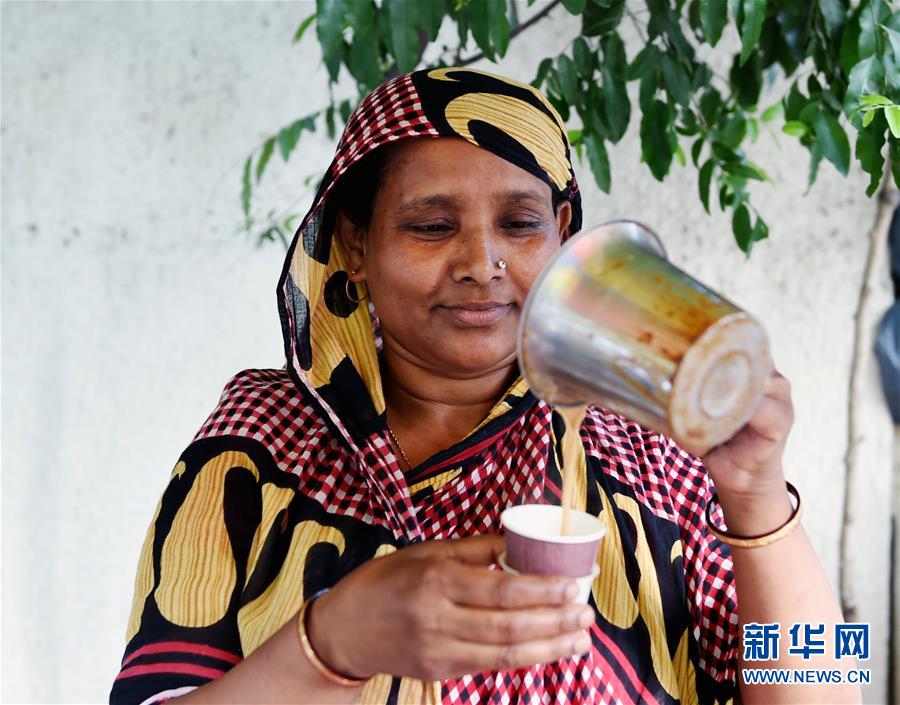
(501, 263)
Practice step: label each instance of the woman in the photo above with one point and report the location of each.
(399, 431)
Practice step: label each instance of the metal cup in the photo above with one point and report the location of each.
(610, 321)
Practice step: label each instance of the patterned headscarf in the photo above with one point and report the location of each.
(329, 339)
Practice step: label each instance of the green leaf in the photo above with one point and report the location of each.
(598, 20)
(677, 82)
(657, 139)
(432, 15)
(865, 78)
(892, 115)
(710, 103)
(772, 112)
(794, 128)
(894, 155)
(706, 172)
(679, 155)
(647, 90)
(696, 149)
(301, 30)
(543, 68)
(575, 7)
(713, 18)
(616, 106)
(267, 150)
(584, 58)
(743, 170)
(345, 109)
(614, 58)
(834, 13)
(499, 25)
(760, 232)
(815, 154)
(754, 12)
(894, 38)
(363, 60)
(746, 80)
(246, 190)
(833, 140)
(743, 230)
(848, 53)
(872, 13)
(733, 132)
(329, 121)
(330, 16)
(869, 144)
(646, 61)
(868, 117)
(568, 78)
(402, 22)
(867, 101)
(599, 161)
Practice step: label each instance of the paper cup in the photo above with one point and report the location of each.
(535, 544)
(585, 582)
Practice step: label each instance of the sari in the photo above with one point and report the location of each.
(292, 481)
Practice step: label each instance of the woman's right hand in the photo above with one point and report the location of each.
(434, 611)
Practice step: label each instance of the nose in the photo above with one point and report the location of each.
(476, 256)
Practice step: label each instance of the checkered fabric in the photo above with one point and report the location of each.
(292, 482)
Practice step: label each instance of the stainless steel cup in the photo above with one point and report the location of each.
(610, 321)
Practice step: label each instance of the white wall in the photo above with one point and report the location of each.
(129, 298)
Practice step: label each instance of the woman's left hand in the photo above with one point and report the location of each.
(747, 469)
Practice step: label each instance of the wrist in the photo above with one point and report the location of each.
(756, 513)
(324, 638)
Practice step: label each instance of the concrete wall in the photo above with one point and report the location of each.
(129, 297)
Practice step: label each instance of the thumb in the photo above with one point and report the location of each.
(475, 550)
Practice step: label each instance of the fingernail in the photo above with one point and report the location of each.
(586, 618)
(582, 644)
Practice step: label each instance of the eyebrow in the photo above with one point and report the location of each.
(441, 199)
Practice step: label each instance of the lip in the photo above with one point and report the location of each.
(478, 315)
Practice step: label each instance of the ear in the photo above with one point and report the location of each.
(563, 217)
(352, 240)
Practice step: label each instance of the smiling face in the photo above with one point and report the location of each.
(444, 214)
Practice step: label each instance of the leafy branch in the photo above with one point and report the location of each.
(841, 61)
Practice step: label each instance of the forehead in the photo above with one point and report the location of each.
(452, 162)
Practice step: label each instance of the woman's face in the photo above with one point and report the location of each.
(445, 213)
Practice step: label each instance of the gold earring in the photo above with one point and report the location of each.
(347, 289)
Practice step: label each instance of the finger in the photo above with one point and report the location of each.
(778, 387)
(772, 419)
(473, 550)
(474, 586)
(491, 626)
(473, 657)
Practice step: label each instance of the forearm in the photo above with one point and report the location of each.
(785, 583)
(276, 672)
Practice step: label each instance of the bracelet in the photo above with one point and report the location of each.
(762, 539)
(324, 670)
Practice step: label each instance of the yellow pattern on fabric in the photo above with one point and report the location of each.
(435, 482)
(650, 600)
(143, 581)
(197, 569)
(685, 673)
(259, 619)
(612, 593)
(335, 338)
(443, 75)
(522, 121)
(274, 499)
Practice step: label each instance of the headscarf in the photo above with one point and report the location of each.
(329, 340)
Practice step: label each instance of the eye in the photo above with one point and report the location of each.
(429, 228)
(522, 225)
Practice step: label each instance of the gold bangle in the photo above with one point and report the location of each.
(762, 539)
(324, 670)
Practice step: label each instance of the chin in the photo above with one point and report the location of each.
(474, 359)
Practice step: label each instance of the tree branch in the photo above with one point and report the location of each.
(512, 35)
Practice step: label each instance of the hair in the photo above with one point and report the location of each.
(356, 190)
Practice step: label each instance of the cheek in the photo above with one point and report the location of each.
(529, 265)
